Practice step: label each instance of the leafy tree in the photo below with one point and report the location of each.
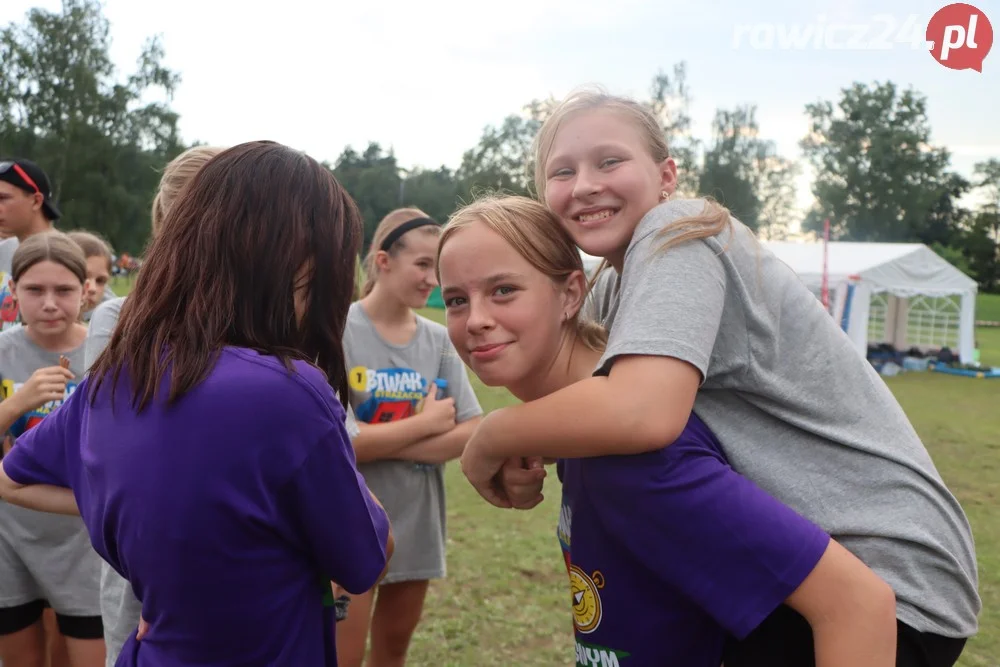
(433, 192)
(878, 177)
(744, 172)
(100, 139)
(373, 179)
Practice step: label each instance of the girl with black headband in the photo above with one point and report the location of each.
(416, 409)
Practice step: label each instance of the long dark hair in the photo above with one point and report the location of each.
(222, 272)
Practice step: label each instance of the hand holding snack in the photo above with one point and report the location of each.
(44, 385)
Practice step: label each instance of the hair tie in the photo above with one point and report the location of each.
(394, 235)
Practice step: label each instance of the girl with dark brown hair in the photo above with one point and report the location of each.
(207, 451)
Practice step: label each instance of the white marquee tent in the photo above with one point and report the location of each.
(901, 293)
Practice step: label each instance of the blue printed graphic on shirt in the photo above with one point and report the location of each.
(392, 393)
(32, 417)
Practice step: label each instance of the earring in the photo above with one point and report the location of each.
(664, 195)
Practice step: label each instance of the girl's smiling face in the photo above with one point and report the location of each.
(601, 179)
(505, 318)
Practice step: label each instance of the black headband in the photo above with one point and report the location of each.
(394, 235)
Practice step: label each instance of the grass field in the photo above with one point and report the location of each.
(988, 307)
(505, 600)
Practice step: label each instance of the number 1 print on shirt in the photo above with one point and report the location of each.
(392, 393)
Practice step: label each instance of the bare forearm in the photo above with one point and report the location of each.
(40, 497)
(441, 448)
(46, 498)
(867, 639)
(582, 420)
(384, 441)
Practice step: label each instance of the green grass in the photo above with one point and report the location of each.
(988, 307)
(505, 599)
(988, 339)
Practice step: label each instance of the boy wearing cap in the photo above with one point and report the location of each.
(26, 209)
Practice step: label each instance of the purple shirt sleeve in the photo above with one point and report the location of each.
(707, 531)
(41, 455)
(343, 528)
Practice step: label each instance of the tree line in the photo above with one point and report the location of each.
(879, 176)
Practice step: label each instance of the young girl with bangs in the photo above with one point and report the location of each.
(415, 409)
(45, 559)
(701, 317)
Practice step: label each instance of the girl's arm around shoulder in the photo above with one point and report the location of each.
(641, 406)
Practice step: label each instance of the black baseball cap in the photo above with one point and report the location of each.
(28, 176)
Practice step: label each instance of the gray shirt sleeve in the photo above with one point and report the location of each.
(102, 325)
(453, 371)
(351, 423)
(670, 303)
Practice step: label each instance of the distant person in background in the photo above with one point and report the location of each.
(26, 208)
(98, 254)
(408, 426)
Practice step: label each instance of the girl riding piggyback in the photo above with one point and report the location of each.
(701, 317)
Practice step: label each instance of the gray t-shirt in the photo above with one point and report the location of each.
(43, 555)
(120, 609)
(20, 358)
(386, 382)
(797, 409)
(7, 249)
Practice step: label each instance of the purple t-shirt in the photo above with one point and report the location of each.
(671, 551)
(224, 511)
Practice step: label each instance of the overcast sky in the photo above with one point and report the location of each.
(426, 77)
